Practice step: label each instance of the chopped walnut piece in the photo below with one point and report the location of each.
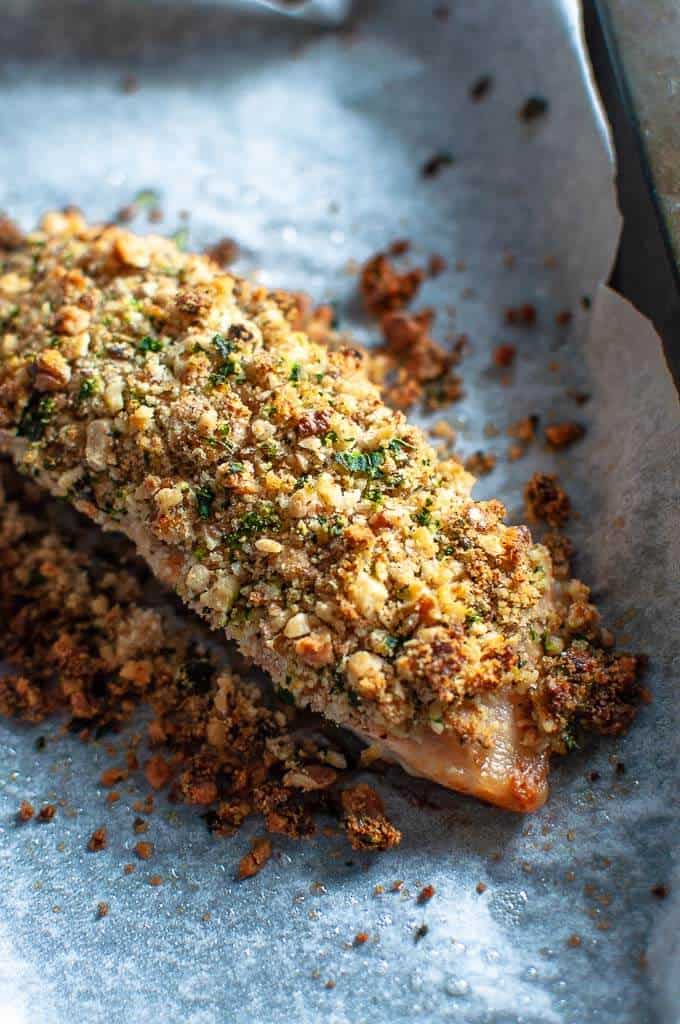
(253, 862)
(365, 822)
(546, 500)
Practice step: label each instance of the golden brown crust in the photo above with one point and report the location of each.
(263, 477)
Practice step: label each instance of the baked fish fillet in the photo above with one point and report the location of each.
(263, 478)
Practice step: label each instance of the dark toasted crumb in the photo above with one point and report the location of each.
(47, 812)
(525, 429)
(365, 822)
(11, 235)
(384, 289)
(436, 265)
(480, 463)
(126, 214)
(481, 88)
(574, 941)
(140, 826)
(535, 107)
(563, 318)
(480, 887)
(329, 984)
(102, 909)
(660, 891)
(561, 435)
(546, 500)
(111, 776)
(399, 246)
(436, 163)
(155, 880)
(98, 840)
(360, 938)
(420, 932)
(397, 886)
(253, 861)
(26, 811)
(504, 355)
(129, 869)
(521, 316)
(580, 397)
(224, 252)
(144, 850)
(426, 894)
(594, 776)
(129, 84)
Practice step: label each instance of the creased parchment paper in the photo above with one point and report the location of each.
(306, 146)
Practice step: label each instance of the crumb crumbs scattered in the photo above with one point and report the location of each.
(365, 822)
(426, 894)
(224, 253)
(533, 108)
(129, 869)
(436, 163)
(436, 265)
(155, 880)
(144, 850)
(480, 887)
(480, 463)
(47, 813)
(420, 932)
(102, 910)
(574, 941)
(384, 288)
(361, 938)
(660, 891)
(252, 862)
(98, 840)
(26, 811)
(562, 435)
(504, 355)
(546, 500)
(139, 826)
(563, 318)
(521, 316)
(378, 890)
(480, 89)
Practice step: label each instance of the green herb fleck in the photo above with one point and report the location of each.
(295, 371)
(88, 388)
(204, 501)
(149, 344)
(368, 463)
(36, 415)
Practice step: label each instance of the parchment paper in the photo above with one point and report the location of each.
(306, 146)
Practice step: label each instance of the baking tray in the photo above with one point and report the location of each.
(216, 92)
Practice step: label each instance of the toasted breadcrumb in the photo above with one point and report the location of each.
(253, 861)
(546, 500)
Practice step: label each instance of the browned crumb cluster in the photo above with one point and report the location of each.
(546, 500)
(410, 365)
(81, 639)
(263, 477)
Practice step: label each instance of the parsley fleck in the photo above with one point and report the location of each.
(89, 387)
(149, 344)
(295, 371)
(37, 413)
(368, 463)
(204, 501)
(223, 345)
